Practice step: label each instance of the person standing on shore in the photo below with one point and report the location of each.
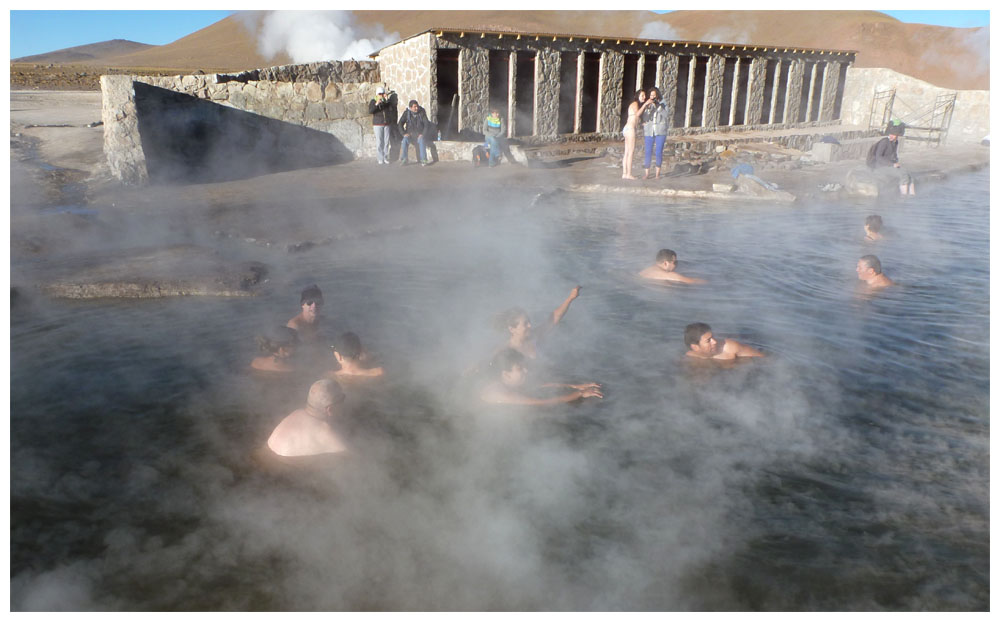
(654, 131)
(636, 108)
(383, 111)
(494, 130)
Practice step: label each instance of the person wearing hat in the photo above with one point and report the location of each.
(383, 111)
(307, 322)
(883, 158)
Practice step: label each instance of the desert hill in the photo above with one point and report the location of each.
(956, 58)
(90, 53)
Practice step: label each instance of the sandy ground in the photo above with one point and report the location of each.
(57, 160)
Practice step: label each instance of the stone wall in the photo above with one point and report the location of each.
(970, 121)
(325, 97)
(407, 67)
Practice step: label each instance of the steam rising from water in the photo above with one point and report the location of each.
(309, 36)
(806, 480)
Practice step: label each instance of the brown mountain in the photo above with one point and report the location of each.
(956, 58)
(90, 53)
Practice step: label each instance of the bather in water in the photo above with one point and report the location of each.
(509, 384)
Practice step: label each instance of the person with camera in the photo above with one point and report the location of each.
(383, 111)
(414, 126)
(654, 130)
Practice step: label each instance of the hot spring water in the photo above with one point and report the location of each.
(847, 470)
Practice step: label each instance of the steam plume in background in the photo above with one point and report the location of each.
(659, 30)
(309, 36)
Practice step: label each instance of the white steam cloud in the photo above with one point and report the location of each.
(309, 36)
(659, 30)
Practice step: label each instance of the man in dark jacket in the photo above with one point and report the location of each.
(884, 159)
(414, 126)
(383, 111)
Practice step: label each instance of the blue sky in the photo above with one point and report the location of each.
(37, 32)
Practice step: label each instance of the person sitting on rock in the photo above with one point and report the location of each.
(883, 158)
(348, 352)
(414, 126)
(873, 228)
(279, 348)
(701, 344)
(494, 130)
(664, 269)
(869, 270)
(309, 431)
(510, 378)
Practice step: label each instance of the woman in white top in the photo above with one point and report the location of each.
(634, 110)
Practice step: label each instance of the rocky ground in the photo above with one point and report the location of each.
(64, 204)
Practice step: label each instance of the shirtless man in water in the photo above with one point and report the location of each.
(308, 431)
(307, 322)
(519, 326)
(664, 269)
(510, 377)
(869, 270)
(702, 344)
(873, 228)
(348, 352)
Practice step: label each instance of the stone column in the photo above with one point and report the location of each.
(640, 69)
(122, 144)
(511, 93)
(831, 81)
(609, 92)
(736, 90)
(666, 81)
(711, 111)
(578, 112)
(473, 87)
(692, 65)
(775, 89)
(755, 94)
(546, 92)
(793, 94)
(812, 87)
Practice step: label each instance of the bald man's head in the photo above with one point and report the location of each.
(324, 393)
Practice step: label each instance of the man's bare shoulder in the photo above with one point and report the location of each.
(655, 273)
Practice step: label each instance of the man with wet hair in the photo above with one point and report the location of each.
(307, 322)
(873, 228)
(349, 353)
(413, 125)
(510, 376)
(869, 270)
(522, 337)
(702, 344)
(883, 158)
(664, 269)
(309, 431)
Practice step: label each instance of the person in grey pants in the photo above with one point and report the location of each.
(383, 111)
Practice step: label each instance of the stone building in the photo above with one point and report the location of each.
(553, 85)
(228, 126)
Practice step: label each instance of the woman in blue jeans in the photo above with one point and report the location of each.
(654, 131)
